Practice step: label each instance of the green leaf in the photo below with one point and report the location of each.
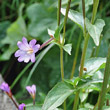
(75, 16)
(98, 75)
(106, 108)
(57, 31)
(73, 81)
(41, 18)
(68, 48)
(83, 96)
(82, 83)
(94, 64)
(3, 27)
(31, 107)
(51, 32)
(86, 84)
(14, 34)
(87, 106)
(57, 96)
(95, 30)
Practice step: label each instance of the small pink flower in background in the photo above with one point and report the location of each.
(22, 106)
(32, 90)
(27, 51)
(5, 87)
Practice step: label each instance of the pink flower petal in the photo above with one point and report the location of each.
(29, 89)
(21, 58)
(21, 106)
(19, 53)
(34, 88)
(24, 40)
(32, 43)
(33, 58)
(27, 58)
(36, 48)
(4, 86)
(22, 46)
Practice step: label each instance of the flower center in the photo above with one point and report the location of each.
(30, 51)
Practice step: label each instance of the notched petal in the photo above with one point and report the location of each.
(32, 43)
(36, 48)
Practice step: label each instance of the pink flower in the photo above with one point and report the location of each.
(5, 87)
(32, 90)
(27, 51)
(21, 106)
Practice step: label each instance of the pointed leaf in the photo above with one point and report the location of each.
(94, 64)
(68, 48)
(57, 96)
(95, 30)
(51, 32)
(75, 17)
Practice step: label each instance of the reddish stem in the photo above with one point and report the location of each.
(14, 102)
(44, 44)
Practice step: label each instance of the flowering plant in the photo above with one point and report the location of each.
(52, 68)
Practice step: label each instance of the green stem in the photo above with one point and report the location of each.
(105, 81)
(83, 55)
(61, 49)
(98, 47)
(36, 64)
(58, 12)
(95, 6)
(65, 20)
(20, 75)
(76, 101)
(81, 70)
(76, 55)
(92, 53)
(84, 14)
(61, 63)
(96, 103)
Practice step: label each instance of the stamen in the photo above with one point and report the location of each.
(30, 51)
